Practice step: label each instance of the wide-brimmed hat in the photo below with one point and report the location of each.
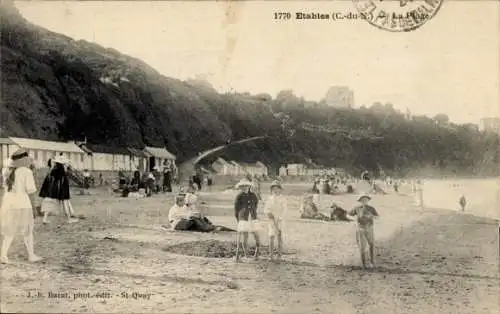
(362, 196)
(276, 183)
(61, 159)
(19, 158)
(180, 196)
(243, 182)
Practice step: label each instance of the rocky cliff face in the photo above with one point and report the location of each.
(54, 87)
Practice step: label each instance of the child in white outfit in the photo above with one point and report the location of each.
(275, 209)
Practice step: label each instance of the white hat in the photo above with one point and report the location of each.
(276, 183)
(61, 159)
(243, 182)
(364, 195)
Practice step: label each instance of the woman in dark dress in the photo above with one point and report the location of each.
(55, 191)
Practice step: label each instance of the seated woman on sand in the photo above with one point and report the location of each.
(182, 218)
(308, 209)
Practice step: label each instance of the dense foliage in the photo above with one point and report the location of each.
(56, 88)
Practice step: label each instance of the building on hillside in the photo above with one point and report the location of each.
(490, 125)
(41, 151)
(138, 159)
(222, 167)
(157, 157)
(340, 96)
(107, 158)
(297, 169)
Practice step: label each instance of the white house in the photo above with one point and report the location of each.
(41, 151)
(157, 156)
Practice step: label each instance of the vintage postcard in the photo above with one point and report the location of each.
(336, 156)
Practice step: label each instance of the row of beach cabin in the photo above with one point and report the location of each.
(82, 156)
(103, 158)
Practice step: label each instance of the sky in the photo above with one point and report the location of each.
(449, 65)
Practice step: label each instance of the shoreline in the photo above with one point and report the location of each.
(429, 260)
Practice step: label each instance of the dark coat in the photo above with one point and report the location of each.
(56, 184)
(245, 205)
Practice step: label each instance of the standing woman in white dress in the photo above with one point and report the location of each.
(17, 205)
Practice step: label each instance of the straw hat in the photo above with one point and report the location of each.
(243, 182)
(362, 196)
(180, 196)
(277, 184)
(20, 158)
(61, 159)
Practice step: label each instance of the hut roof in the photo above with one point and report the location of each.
(160, 152)
(106, 149)
(66, 147)
(6, 141)
(137, 152)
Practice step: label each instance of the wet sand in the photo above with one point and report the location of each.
(428, 261)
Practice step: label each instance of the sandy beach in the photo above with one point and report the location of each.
(121, 260)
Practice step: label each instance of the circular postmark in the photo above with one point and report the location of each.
(398, 15)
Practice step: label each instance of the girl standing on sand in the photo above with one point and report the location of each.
(17, 205)
(55, 192)
(275, 209)
(245, 211)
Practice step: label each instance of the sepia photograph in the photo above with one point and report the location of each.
(293, 156)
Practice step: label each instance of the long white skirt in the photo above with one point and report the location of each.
(14, 220)
(53, 206)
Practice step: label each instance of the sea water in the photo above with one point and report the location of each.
(482, 195)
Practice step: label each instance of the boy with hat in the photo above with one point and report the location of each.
(364, 234)
(275, 209)
(17, 205)
(245, 211)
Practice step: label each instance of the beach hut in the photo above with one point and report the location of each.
(41, 151)
(261, 169)
(157, 156)
(108, 158)
(238, 169)
(248, 168)
(222, 167)
(283, 171)
(296, 169)
(7, 147)
(138, 159)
